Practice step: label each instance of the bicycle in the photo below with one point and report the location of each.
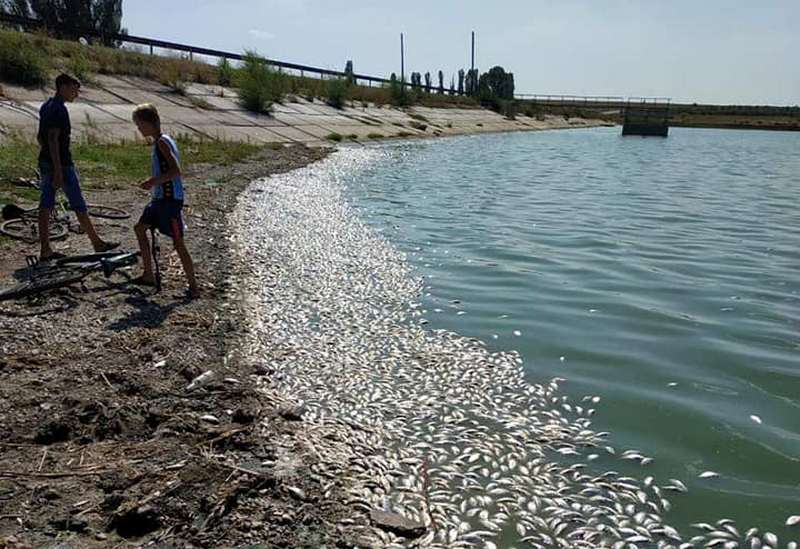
(22, 223)
(66, 271)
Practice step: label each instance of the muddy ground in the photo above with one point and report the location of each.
(101, 442)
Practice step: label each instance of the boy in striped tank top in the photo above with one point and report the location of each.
(166, 197)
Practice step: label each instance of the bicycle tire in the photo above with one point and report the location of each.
(106, 212)
(88, 258)
(28, 231)
(58, 278)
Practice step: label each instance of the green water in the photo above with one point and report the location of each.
(662, 275)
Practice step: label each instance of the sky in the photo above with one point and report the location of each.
(704, 51)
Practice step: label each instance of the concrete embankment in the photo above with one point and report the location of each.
(104, 109)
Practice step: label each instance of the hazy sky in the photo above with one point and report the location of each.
(735, 51)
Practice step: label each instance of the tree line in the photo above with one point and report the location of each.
(71, 19)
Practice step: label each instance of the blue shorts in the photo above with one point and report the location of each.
(165, 215)
(71, 188)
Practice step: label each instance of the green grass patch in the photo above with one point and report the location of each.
(334, 137)
(419, 117)
(111, 166)
(352, 136)
(260, 86)
(338, 92)
(375, 136)
(403, 134)
(20, 62)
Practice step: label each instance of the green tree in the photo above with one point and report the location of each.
(498, 83)
(72, 18)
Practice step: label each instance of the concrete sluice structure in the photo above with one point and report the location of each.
(429, 427)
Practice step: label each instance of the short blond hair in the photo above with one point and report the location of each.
(147, 112)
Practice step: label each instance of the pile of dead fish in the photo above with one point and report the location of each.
(426, 426)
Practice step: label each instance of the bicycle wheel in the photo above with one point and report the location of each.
(28, 230)
(57, 278)
(107, 212)
(88, 258)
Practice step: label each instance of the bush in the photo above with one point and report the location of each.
(224, 72)
(260, 86)
(80, 67)
(21, 62)
(334, 137)
(399, 94)
(338, 92)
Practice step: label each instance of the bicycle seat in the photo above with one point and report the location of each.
(12, 211)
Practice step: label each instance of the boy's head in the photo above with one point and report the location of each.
(147, 120)
(67, 87)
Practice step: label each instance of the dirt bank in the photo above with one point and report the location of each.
(103, 445)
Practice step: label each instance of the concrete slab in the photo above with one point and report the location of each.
(321, 108)
(193, 88)
(184, 115)
(303, 108)
(223, 103)
(16, 115)
(144, 84)
(253, 119)
(294, 134)
(285, 108)
(20, 93)
(121, 111)
(316, 131)
(243, 134)
(135, 96)
(288, 119)
(109, 81)
(96, 95)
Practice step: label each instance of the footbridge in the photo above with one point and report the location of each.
(639, 115)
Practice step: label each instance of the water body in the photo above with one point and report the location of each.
(662, 275)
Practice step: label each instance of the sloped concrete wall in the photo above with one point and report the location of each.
(103, 112)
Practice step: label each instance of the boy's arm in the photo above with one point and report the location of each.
(55, 155)
(173, 167)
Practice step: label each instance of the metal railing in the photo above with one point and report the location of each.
(612, 101)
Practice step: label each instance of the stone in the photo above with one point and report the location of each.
(397, 524)
(70, 524)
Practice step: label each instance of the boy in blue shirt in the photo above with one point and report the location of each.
(57, 169)
(166, 190)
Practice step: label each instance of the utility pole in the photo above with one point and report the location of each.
(402, 62)
(473, 50)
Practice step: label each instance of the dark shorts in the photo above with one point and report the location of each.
(71, 188)
(165, 215)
